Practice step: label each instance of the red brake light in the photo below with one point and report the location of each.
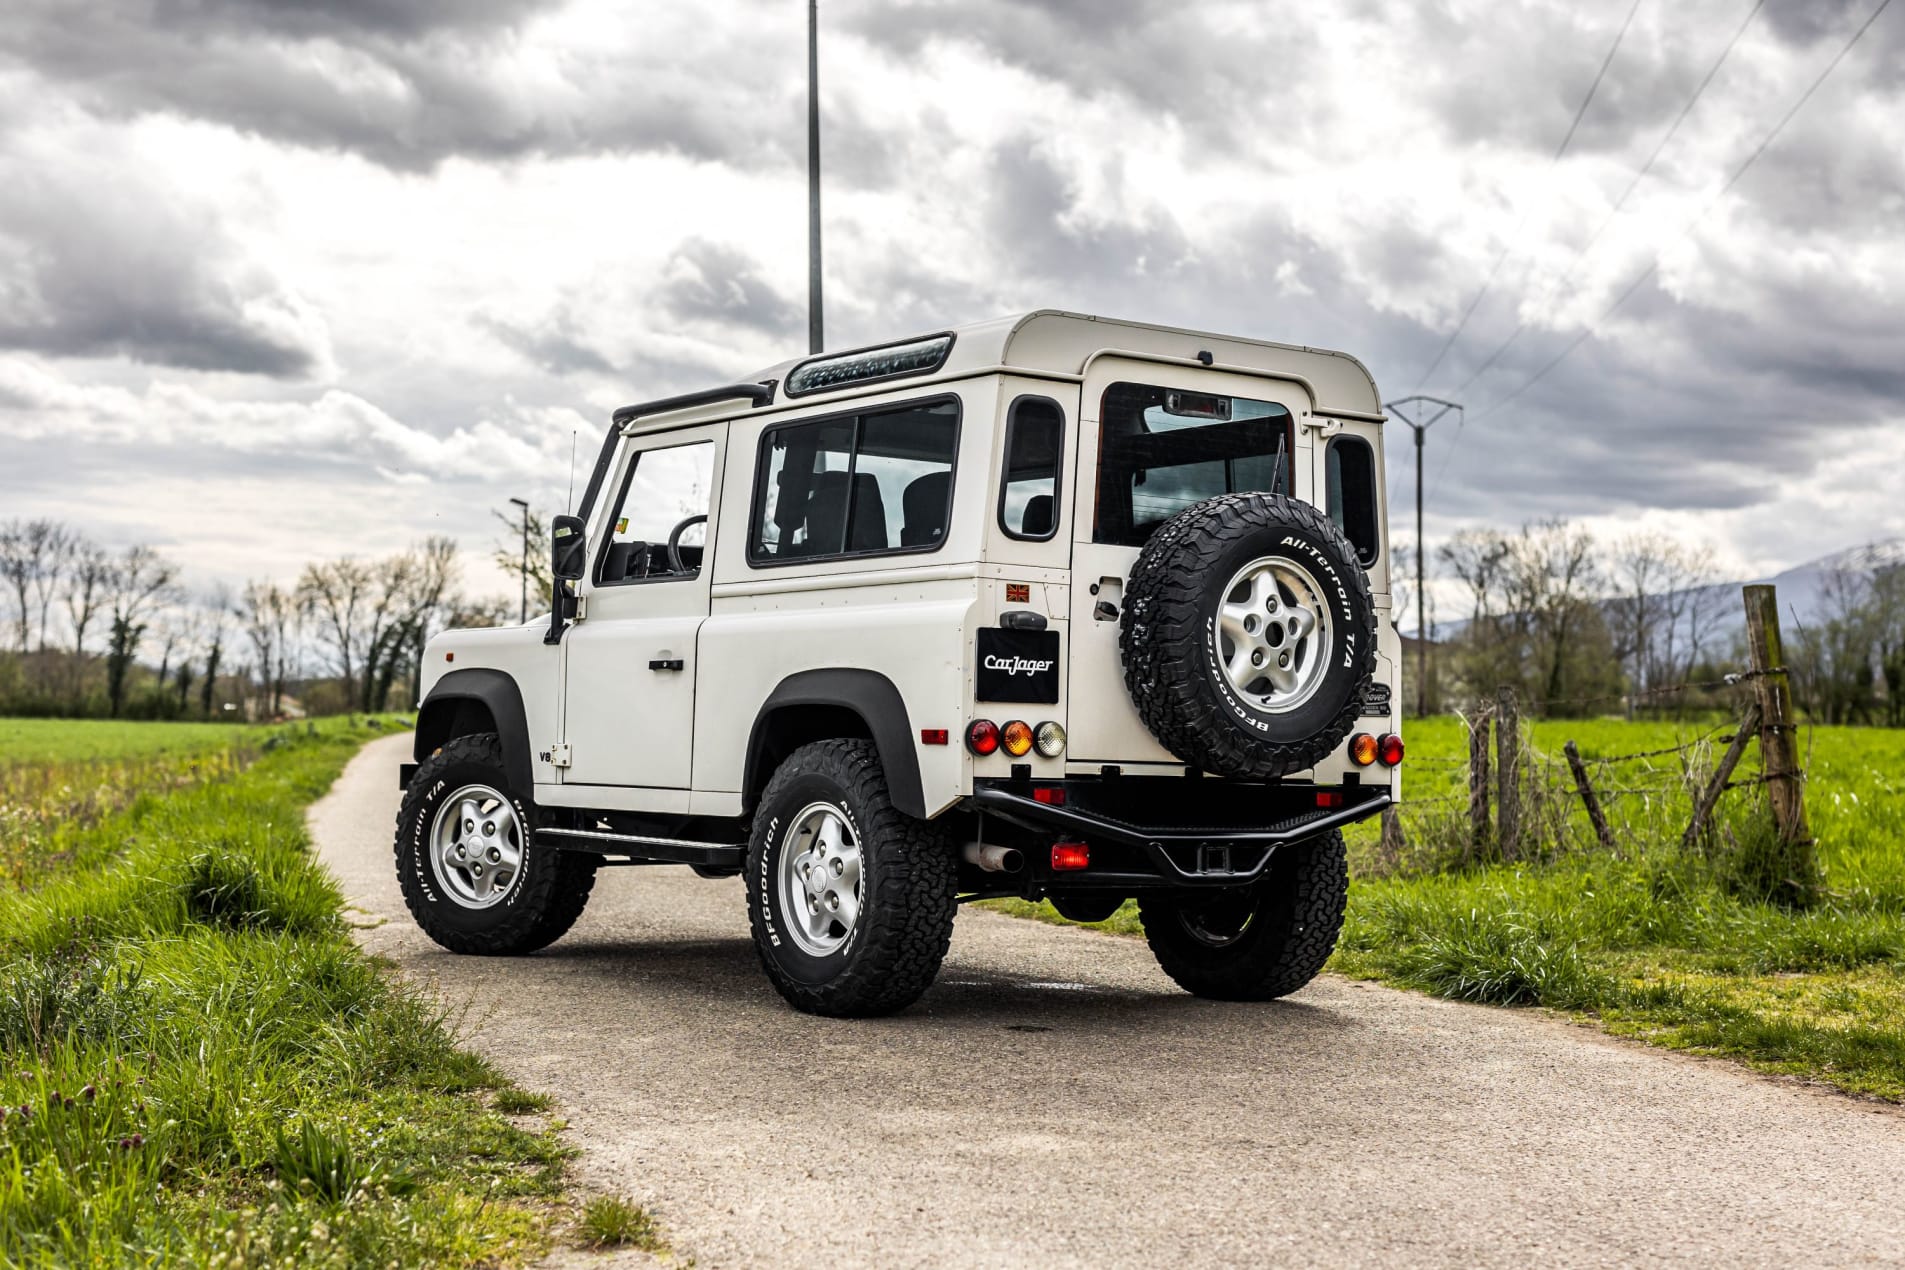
(1329, 798)
(1389, 749)
(982, 737)
(1069, 857)
(932, 736)
(1050, 795)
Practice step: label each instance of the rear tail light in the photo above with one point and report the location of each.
(1362, 749)
(1016, 736)
(1329, 798)
(1049, 737)
(1069, 857)
(1050, 795)
(982, 737)
(1389, 749)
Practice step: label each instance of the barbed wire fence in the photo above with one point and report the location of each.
(1522, 804)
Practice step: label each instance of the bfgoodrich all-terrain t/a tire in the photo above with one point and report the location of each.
(1259, 942)
(1248, 636)
(467, 861)
(851, 901)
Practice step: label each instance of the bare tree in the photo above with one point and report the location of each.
(267, 613)
(141, 580)
(338, 593)
(16, 570)
(88, 578)
(52, 546)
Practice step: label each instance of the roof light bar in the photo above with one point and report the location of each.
(916, 357)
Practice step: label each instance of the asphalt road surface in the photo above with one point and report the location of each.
(1054, 1099)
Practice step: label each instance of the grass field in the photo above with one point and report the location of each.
(201, 1068)
(51, 741)
(1675, 947)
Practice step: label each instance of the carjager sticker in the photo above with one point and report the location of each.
(1020, 666)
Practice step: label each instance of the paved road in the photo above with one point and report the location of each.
(1055, 1100)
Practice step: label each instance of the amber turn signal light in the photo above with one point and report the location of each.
(982, 737)
(1016, 736)
(1389, 749)
(1362, 749)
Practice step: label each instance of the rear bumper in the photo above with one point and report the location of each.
(1160, 832)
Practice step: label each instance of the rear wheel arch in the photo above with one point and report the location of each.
(468, 702)
(836, 704)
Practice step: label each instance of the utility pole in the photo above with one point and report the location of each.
(816, 341)
(525, 569)
(1421, 427)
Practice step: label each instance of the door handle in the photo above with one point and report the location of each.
(666, 663)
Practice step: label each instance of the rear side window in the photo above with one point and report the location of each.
(875, 483)
(1028, 495)
(1350, 479)
(1162, 449)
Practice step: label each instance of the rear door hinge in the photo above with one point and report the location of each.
(581, 608)
(557, 755)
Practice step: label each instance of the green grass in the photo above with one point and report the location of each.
(200, 1067)
(1675, 947)
(72, 740)
(609, 1221)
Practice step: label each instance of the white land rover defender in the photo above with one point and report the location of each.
(1051, 606)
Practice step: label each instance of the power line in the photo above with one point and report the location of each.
(1731, 181)
(1515, 234)
(1621, 202)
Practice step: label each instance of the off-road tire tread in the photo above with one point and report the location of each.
(1161, 637)
(905, 937)
(554, 896)
(1313, 879)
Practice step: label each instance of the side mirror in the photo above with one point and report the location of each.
(568, 548)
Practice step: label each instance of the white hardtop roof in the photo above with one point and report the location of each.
(1054, 341)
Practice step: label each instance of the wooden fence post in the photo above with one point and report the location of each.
(1588, 800)
(1478, 777)
(1778, 752)
(1508, 771)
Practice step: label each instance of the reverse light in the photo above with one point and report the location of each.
(1049, 737)
(1016, 736)
(1069, 857)
(1389, 749)
(982, 737)
(1362, 749)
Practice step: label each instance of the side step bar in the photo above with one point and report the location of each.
(712, 855)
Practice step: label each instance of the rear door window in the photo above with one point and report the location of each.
(1162, 449)
(1349, 478)
(1028, 494)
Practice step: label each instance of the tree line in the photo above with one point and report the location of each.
(93, 631)
(1644, 623)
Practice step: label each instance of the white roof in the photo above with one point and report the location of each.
(1050, 340)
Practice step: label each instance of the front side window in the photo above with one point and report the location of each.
(865, 484)
(1028, 494)
(1349, 478)
(665, 495)
(1162, 449)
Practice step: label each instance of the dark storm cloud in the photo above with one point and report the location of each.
(714, 282)
(406, 86)
(557, 346)
(96, 263)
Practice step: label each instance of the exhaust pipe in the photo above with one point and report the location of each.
(993, 859)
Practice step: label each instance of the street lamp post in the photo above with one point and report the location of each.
(525, 569)
(1420, 426)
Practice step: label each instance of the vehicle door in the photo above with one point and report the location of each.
(629, 664)
(1154, 438)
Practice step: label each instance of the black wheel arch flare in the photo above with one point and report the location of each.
(866, 694)
(455, 706)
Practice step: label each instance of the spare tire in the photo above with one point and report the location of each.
(1248, 636)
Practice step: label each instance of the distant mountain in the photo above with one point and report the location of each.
(1802, 592)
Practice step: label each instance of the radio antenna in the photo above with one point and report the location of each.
(568, 507)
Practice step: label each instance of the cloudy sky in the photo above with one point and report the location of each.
(289, 278)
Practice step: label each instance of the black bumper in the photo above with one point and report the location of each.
(1165, 832)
